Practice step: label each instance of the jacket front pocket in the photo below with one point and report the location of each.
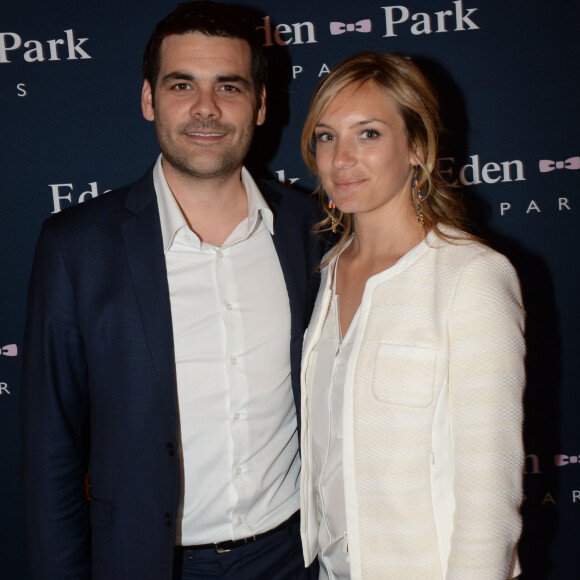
(404, 375)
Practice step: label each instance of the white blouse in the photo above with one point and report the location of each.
(326, 404)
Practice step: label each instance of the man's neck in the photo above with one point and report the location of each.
(212, 207)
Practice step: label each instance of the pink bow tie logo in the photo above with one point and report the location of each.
(561, 460)
(9, 350)
(547, 165)
(341, 27)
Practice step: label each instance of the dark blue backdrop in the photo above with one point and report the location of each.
(507, 75)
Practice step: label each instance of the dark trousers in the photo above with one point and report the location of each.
(275, 557)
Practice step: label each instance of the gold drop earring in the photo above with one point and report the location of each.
(418, 197)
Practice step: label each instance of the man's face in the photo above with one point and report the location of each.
(205, 106)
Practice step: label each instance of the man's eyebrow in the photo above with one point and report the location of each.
(177, 76)
(233, 79)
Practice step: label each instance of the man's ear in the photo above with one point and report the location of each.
(261, 112)
(147, 101)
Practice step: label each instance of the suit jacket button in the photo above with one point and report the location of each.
(168, 519)
(170, 449)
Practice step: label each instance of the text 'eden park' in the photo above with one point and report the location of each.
(397, 20)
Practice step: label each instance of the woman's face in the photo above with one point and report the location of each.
(362, 152)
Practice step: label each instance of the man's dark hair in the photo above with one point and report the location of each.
(211, 19)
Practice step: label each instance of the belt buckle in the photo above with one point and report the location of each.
(220, 550)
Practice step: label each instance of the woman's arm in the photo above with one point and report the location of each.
(486, 380)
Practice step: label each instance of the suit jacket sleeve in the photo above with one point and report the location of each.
(54, 408)
(486, 380)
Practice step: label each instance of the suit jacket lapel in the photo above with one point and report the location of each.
(288, 243)
(143, 243)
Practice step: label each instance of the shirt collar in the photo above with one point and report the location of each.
(172, 219)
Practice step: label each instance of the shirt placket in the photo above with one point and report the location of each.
(237, 390)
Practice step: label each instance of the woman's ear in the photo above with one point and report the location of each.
(414, 155)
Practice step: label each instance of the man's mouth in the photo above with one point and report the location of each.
(205, 134)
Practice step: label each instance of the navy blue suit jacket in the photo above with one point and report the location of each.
(99, 387)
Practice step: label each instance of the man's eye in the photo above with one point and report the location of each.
(230, 89)
(181, 87)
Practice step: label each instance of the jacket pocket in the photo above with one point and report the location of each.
(404, 375)
(101, 513)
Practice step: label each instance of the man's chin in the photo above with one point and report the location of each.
(202, 170)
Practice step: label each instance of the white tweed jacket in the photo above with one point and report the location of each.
(432, 448)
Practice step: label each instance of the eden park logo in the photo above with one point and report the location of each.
(397, 20)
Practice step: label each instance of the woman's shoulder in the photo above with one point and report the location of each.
(456, 241)
(458, 249)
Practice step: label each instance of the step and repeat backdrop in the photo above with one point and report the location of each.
(508, 78)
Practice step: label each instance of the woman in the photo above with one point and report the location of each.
(413, 363)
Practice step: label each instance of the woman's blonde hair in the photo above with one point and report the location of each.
(418, 105)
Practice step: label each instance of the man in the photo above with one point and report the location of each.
(163, 341)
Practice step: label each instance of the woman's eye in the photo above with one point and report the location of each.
(324, 137)
(369, 134)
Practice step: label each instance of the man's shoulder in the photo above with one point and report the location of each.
(301, 201)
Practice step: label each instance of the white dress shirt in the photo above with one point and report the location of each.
(231, 327)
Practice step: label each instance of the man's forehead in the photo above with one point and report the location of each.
(195, 45)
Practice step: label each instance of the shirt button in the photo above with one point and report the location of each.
(234, 360)
(240, 520)
(229, 306)
(239, 471)
(220, 254)
(237, 417)
(168, 519)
